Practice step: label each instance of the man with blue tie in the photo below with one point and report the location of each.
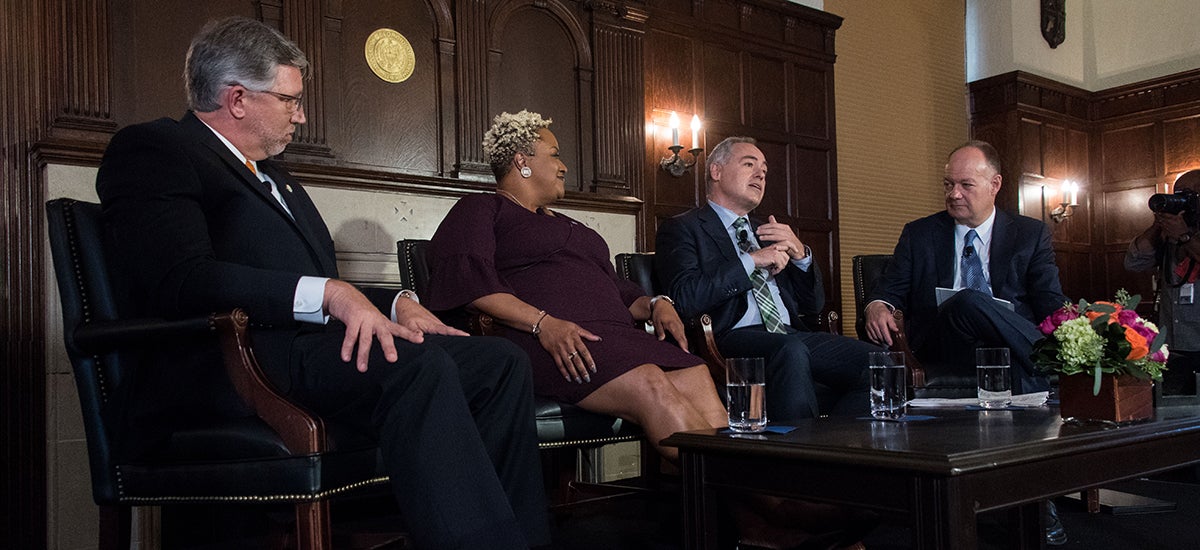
(758, 282)
(985, 253)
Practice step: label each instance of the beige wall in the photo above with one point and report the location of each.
(901, 107)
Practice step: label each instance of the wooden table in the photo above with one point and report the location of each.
(935, 474)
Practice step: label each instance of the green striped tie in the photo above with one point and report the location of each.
(762, 293)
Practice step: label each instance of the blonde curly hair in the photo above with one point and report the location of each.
(510, 134)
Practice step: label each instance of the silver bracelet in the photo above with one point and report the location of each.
(410, 294)
(536, 329)
(662, 297)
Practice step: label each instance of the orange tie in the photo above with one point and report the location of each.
(250, 165)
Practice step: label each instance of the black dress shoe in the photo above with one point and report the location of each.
(1056, 534)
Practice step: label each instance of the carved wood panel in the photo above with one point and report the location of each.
(383, 124)
(1122, 145)
(1128, 153)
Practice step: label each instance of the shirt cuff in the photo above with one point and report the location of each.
(310, 294)
(406, 294)
(805, 262)
(889, 306)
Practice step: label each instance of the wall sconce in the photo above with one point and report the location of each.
(1070, 199)
(673, 163)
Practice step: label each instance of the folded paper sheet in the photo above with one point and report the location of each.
(1035, 399)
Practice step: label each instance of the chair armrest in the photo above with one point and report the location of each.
(830, 321)
(916, 372)
(704, 343)
(99, 337)
(301, 431)
(482, 324)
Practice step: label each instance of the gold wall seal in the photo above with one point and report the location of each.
(390, 56)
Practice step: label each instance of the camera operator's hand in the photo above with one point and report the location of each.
(1172, 226)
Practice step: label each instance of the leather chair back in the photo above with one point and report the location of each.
(282, 453)
(868, 269)
(77, 248)
(639, 268)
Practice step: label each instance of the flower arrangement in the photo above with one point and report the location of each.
(1101, 337)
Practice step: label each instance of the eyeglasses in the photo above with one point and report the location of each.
(291, 101)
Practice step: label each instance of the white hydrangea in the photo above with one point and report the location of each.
(511, 133)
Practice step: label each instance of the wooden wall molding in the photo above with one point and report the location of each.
(1122, 144)
(76, 71)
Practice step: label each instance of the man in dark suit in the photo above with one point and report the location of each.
(201, 220)
(985, 252)
(758, 282)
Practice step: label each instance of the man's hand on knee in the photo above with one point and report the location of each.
(364, 324)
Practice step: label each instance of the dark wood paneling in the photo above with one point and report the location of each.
(764, 69)
(385, 124)
(520, 83)
(599, 69)
(810, 91)
(1181, 143)
(1128, 153)
(1126, 213)
(722, 85)
(1031, 147)
(812, 173)
(1117, 144)
(766, 94)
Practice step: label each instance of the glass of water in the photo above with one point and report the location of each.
(889, 393)
(993, 373)
(746, 394)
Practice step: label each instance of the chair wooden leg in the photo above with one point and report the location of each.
(312, 526)
(115, 524)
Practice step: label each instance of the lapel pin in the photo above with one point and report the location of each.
(288, 186)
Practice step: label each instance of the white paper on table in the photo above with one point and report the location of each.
(1035, 399)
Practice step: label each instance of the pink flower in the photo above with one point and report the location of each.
(1128, 318)
(1056, 319)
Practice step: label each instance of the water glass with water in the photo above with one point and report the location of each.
(992, 370)
(888, 388)
(746, 394)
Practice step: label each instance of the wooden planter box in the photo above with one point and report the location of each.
(1121, 399)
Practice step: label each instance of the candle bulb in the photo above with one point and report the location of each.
(674, 128)
(695, 131)
(1070, 193)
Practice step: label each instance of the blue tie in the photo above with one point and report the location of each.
(972, 267)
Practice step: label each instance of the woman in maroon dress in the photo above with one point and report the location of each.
(550, 278)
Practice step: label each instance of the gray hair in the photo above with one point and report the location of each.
(722, 152)
(511, 134)
(236, 50)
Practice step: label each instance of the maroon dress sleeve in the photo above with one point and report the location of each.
(462, 255)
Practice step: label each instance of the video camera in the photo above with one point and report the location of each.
(1183, 201)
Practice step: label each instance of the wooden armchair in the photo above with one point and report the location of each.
(930, 380)
(282, 453)
(564, 431)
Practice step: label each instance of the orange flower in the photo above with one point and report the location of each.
(1140, 347)
(1112, 317)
